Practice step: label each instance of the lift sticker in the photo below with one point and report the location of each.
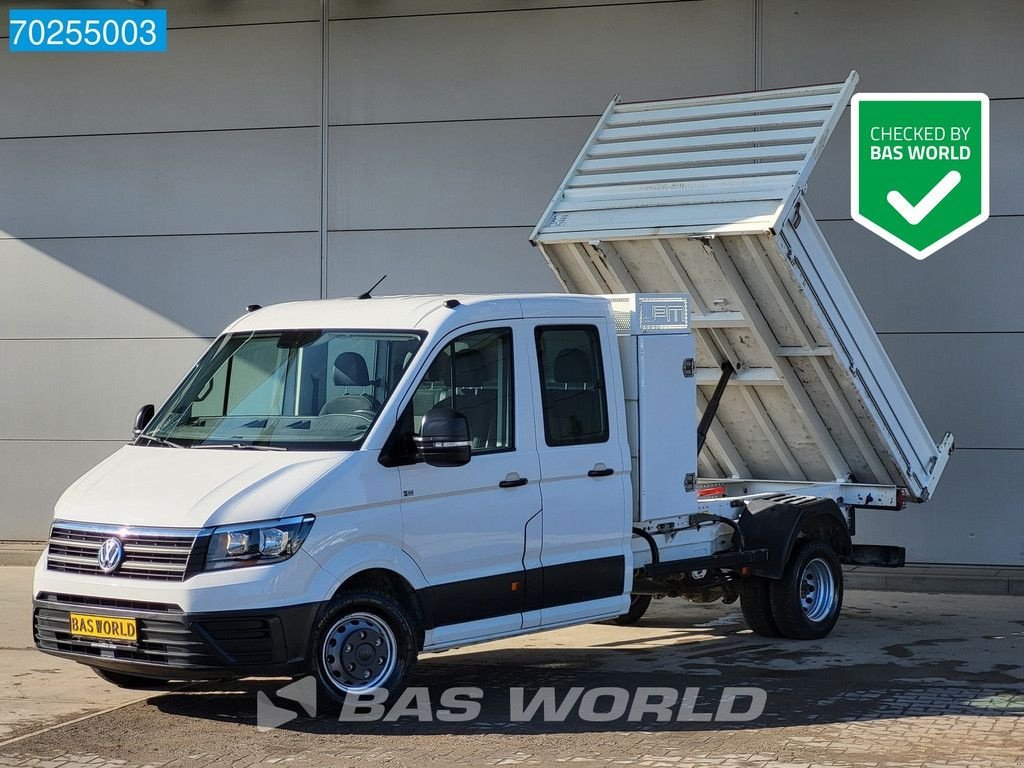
(919, 167)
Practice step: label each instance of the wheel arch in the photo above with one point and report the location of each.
(385, 567)
(778, 525)
(390, 582)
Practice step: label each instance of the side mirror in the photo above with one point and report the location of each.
(444, 439)
(142, 419)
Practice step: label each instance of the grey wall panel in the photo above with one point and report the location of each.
(191, 183)
(896, 45)
(965, 383)
(87, 389)
(372, 9)
(437, 261)
(463, 174)
(220, 77)
(549, 62)
(29, 496)
(149, 286)
(973, 284)
(974, 517)
(193, 13)
(829, 187)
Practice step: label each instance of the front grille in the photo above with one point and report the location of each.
(166, 635)
(161, 641)
(149, 553)
(117, 603)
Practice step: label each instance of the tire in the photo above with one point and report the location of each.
(638, 605)
(756, 604)
(133, 682)
(807, 600)
(365, 640)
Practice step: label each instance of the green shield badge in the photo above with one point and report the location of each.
(919, 167)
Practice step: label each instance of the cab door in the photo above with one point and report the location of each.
(587, 526)
(466, 527)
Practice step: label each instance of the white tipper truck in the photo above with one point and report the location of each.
(339, 485)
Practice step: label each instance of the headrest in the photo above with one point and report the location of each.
(350, 370)
(440, 370)
(572, 366)
(470, 368)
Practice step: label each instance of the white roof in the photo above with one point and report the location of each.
(727, 164)
(426, 312)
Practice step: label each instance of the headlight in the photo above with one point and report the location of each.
(233, 546)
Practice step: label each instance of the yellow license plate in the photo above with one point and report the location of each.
(104, 627)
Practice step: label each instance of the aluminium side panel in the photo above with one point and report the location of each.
(859, 363)
(705, 196)
(725, 164)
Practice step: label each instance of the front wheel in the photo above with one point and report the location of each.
(638, 605)
(364, 641)
(807, 599)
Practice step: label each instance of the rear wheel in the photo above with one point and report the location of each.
(638, 605)
(364, 641)
(807, 600)
(124, 680)
(756, 604)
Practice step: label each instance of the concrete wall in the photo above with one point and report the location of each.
(147, 199)
(144, 201)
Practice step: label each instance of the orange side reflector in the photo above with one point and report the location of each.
(715, 490)
(515, 586)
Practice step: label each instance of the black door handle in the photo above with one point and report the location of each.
(601, 472)
(513, 483)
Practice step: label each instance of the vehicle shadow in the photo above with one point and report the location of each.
(701, 667)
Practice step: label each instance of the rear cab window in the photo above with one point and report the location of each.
(573, 396)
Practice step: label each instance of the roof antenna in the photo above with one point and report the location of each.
(367, 294)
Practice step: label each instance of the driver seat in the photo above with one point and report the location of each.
(350, 371)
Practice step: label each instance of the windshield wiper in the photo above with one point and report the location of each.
(160, 440)
(243, 447)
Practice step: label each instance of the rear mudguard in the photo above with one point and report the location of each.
(776, 525)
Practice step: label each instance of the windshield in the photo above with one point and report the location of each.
(311, 390)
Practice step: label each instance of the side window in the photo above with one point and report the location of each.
(572, 388)
(472, 375)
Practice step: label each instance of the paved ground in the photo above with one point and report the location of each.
(905, 680)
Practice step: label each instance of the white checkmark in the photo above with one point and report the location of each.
(916, 213)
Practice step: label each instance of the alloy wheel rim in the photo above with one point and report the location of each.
(817, 590)
(359, 652)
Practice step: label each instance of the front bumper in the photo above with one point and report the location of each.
(175, 645)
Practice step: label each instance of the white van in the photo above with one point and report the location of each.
(273, 514)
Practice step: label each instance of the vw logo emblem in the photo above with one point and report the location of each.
(110, 555)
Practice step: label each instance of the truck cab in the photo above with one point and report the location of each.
(462, 459)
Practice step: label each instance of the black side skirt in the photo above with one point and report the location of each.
(524, 590)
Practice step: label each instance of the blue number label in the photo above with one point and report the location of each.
(78, 31)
